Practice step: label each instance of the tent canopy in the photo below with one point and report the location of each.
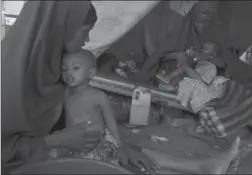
(116, 18)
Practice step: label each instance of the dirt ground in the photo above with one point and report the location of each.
(180, 142)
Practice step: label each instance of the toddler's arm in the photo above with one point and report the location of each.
(59, 110)
(109, 116)
(183, 61)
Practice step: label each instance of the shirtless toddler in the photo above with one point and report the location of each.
(83, 103)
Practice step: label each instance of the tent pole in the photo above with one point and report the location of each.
(126, 88)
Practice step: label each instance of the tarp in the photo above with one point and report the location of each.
(121, 17)
(115, 19)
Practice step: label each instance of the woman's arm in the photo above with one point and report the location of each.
(192, 73)
(137, 158)
(175, 73)
(20, 149)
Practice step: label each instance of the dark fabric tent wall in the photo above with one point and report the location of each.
(133, 41)
(233, 28)
(240, 37)
(240, 28)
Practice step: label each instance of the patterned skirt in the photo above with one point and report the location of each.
(107, 151)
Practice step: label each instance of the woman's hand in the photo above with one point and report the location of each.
(177, 55)
(75, 137)
(181, 57)
(139, 159)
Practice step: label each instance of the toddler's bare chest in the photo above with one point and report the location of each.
(81, 105)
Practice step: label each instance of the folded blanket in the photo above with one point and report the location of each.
(228, 113)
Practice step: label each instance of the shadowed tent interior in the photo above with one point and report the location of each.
(120, 31)
(131, 46)
(232, 25)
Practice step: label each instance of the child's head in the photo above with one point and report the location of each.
(211, 48)
(78, 68)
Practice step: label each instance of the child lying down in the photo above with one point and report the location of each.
(83, 103)
(201, 83)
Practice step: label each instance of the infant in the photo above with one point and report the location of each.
(202, 83)
(83, 103)
(204, 62)
(188, 61)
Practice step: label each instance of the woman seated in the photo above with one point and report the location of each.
(30, 101)
(216, 99)
(174, 34)
(201, 83)
(32, 92)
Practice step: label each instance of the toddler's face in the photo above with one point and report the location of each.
(75, 71)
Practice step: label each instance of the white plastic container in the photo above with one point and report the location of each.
(140, 107)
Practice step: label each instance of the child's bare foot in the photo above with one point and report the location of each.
(220, 164)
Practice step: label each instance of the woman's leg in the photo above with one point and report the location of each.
(216, 165)
(173, 163)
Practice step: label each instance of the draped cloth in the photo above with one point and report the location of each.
(194, 93)
(31, 88)
(239, 71)
(173, 33)
(228, 113)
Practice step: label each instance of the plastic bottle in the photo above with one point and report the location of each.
(140, 107)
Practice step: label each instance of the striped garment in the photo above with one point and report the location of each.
(228, 113)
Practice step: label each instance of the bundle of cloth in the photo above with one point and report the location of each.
(223, 105)
(229, 112)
